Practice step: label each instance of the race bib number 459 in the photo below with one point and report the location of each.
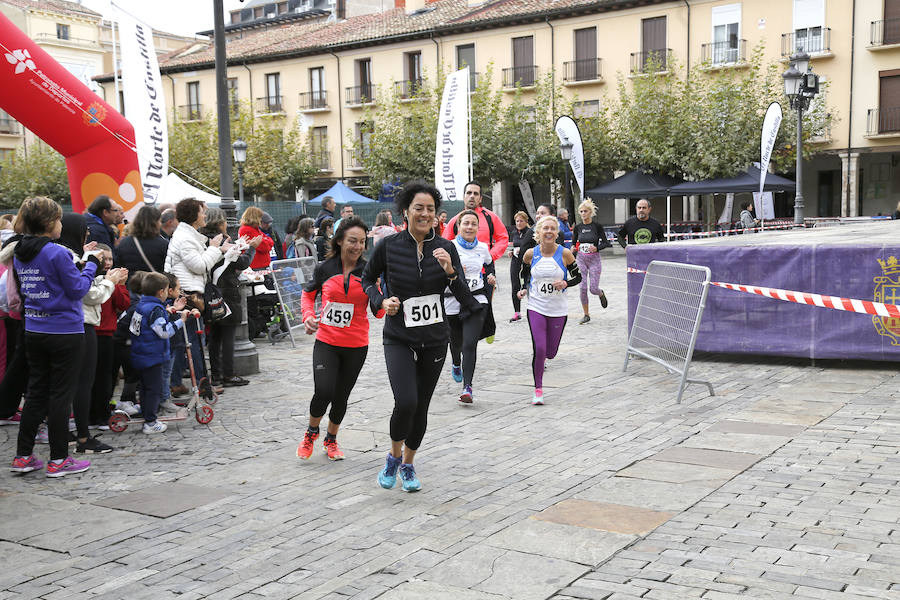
(337, 314)
(422, 310)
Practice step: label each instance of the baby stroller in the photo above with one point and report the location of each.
(265, 314)
(203, 395)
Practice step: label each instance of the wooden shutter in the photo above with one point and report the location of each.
(889, 104)
(523, 60)
(586, 54)
(891, 22)
(653, 41)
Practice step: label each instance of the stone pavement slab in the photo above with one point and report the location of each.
(749, 443)
(653, 495)
(617, 518)
(164, 500)
(580, 544)
(657, 470)
(706, 457)
(729, 426)
(416, 590)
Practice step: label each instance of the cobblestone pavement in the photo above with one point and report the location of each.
(784, 484)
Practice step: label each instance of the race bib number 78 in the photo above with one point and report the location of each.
(422, 310)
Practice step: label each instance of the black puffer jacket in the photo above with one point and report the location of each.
(127, 254)
(395, 260)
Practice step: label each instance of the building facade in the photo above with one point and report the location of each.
(323, 72)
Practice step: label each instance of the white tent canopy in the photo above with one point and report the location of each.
(175, 189)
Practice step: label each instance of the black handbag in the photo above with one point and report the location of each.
(215, 308)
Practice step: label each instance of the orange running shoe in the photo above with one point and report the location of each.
(305, 449)
(331, 448)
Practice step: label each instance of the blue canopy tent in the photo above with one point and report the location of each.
(342, 195)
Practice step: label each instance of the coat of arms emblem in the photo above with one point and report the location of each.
(887, 291)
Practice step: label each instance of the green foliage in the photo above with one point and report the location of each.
(41, 171)
(277, 162)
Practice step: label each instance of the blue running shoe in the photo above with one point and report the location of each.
(388, 476)
(457, 374)
(408, 479)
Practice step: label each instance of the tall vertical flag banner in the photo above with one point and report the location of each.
(765, 208)
(527, 197)
(97, 142)
(725, 217)
(566, 127)
(451, 154)
(145, 103)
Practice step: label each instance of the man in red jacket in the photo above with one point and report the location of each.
(491, 229)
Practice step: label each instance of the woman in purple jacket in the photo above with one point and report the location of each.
(51, 287)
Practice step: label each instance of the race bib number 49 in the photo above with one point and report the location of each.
(422, 310)
(337, 314)
(544, 287)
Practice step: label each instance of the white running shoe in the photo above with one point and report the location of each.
(169, 406)
(538, 399)
(128, 408)
(154, 427)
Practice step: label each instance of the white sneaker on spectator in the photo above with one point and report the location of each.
(154, 427)
(128, 408)
(169, 406)
(42, 436)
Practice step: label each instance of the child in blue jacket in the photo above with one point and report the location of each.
(150, 332)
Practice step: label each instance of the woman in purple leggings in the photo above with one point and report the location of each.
(588, 238)
(547, 271)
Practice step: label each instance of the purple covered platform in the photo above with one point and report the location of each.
(859, 261)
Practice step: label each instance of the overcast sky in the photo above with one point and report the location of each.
(185, 17)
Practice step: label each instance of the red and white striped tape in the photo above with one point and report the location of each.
(866, 307)
(712, 233)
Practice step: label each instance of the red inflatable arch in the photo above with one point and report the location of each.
(42, 95)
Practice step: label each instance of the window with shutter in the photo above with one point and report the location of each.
(523, 60)
(586, 54)
(653, 43)
(889, 102)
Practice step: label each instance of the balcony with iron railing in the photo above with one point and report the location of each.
(525, 76)
(883, 122)
(814, 41)
(9, 127)
(885, 33)
(321, 159)
(360, 95)
(311, 101)
(409, 89)
(586, 70)
(650, 61)
(722, 54)
(51, 38)
(355, 159)
(190, 112)
(270, 105)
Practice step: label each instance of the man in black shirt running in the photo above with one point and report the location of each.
(642, 229)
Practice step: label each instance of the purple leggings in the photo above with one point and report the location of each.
(546, 333)
(590, 267)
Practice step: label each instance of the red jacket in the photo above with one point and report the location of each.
(111, 309)
(500, 240)
(329, 280)
(261, 259)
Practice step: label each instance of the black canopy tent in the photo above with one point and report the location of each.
(638, 184)
(634, 184)
(747, 181)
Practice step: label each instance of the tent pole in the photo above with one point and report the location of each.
(668, 218)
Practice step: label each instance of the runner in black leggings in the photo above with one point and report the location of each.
(342, 333)
(416, 265)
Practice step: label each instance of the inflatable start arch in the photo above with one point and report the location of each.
(97, 141)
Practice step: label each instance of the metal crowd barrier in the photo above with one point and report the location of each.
(290, 276)
(668, 316)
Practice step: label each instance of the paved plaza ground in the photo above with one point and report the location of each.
(786, 484)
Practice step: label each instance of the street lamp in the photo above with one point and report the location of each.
(239, 148)
(565, 149)
(800, 86)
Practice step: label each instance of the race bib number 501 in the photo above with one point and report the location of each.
(422, 310)
(337, 314)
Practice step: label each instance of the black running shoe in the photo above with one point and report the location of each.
(93, 446)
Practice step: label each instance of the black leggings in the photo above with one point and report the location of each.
(103, 381)
(81, 404)
(335, 370)
(464, 336)
(15, 380)
(221, 350)
(515, 266)
(413, 375)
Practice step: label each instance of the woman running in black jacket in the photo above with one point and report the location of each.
(415, 266)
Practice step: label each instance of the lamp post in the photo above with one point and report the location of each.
(565, 150)
(239, 148)
(246, 358)
(800, 86)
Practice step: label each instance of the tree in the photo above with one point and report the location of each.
(277, 162)
(41, 171)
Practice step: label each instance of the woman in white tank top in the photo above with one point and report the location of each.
(548, 271)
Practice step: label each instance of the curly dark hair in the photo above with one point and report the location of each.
(188, 210)
(334, 245)
(416, 186)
